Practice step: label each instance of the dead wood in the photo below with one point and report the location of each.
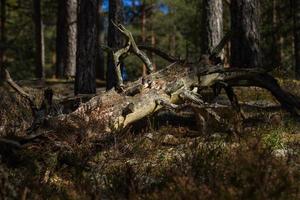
(176, 86)
(169, 86)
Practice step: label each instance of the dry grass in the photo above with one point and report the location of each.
(262, 162)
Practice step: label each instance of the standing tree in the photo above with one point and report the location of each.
(71, 38)
(245, 16)
(85, 80)
(66, 38)
(115, 39)
(296, 6)
(277, 39)
(61, 35)
(39, 40)
(100, 55)
(2, 36)
(212, 24)
(143, 30)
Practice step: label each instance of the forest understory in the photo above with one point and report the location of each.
(163, 156)
(152, 99)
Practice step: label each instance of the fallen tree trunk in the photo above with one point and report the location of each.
(178, 86)
(113, 111)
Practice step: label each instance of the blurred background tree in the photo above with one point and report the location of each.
(172, 25)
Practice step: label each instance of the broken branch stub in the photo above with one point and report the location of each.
(122, 53)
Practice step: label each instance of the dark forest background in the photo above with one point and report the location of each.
(173, 25)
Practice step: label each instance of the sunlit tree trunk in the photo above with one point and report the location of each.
(212, 24)
(245, 18)
(85, 80)
(70, 66)
(115, 39)
(39, 41)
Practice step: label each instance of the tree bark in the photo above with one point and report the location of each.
(245, 19)
(61, 37)
(85, 80)
(153, 44)
(212, 25)
(296, 7)
(115, 40)
(143, 30)
(66, 38)
(39, 40)
(100, 66)
(277, 36)
(70, 66)
(2, 37)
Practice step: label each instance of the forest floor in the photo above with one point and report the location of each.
(157, 158)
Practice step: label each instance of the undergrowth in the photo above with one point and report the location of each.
(155, 162)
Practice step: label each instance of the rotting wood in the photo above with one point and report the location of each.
(176, 84)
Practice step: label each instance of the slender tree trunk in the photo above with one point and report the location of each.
(39, 40)
(212, 24)
(71, 46)
(2, 37)
(296, 7)
(277, 38)
(61, 37)
(143, 30)
(85, 80)
(66, 38)
(153, 44)
(245, 50)
(115, 39)
(100, 69)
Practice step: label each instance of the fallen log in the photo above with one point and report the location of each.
(177, 86)
(171, 85)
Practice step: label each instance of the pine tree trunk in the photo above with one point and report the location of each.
(71, 42)
(66, 38)
(245, 16)
(143, 31)
(297, 37)
(212, 24)
(115, 39)
(61, 37)
(2, 37)
(100, 69)
(39, 40)
(153, 44)
(85, 80)
(277, 38)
